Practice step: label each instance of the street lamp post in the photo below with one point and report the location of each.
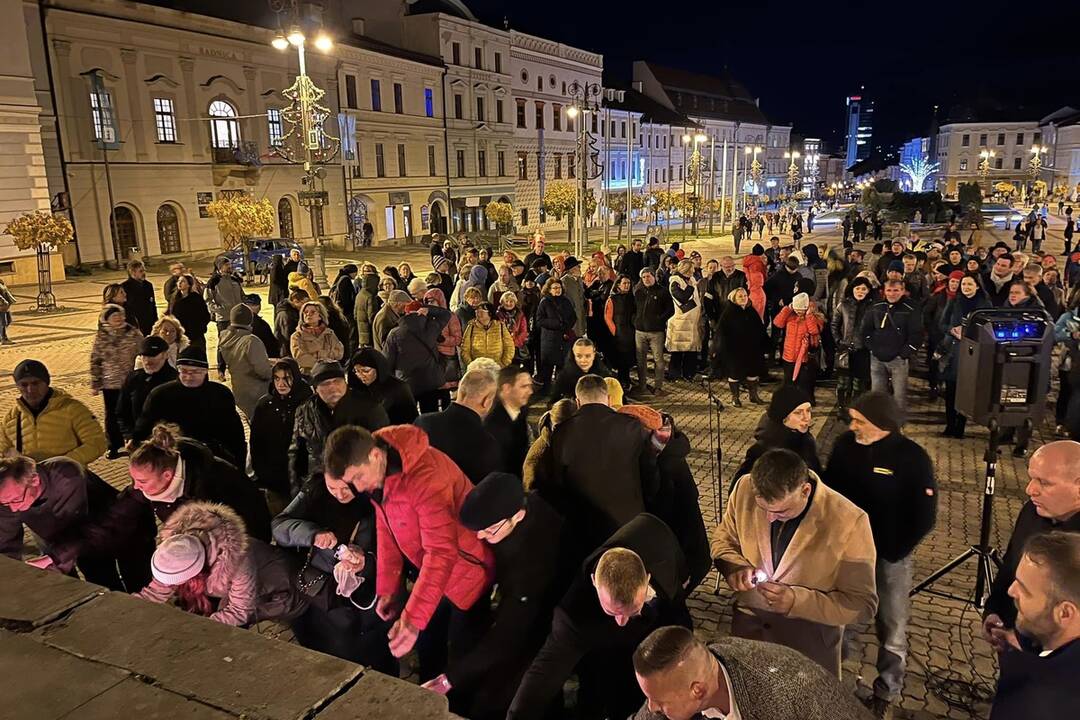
(1035, 164)
(306, 141)
(584, 100)
(792, 171)
(755, 172)
(984, 167)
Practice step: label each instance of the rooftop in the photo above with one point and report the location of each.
(720, 97)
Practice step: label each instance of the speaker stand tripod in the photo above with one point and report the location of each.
(987, 557)
(716, 456)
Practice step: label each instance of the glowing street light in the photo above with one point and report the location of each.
(323, 43)
(793, 170)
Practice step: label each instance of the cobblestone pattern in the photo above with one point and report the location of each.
(943, 633)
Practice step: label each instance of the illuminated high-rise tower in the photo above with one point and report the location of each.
(858, 128)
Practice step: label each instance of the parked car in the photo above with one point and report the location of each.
(259, 253)
(1001, 215)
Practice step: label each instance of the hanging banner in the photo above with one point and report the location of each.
(101, 110)
(347, 133)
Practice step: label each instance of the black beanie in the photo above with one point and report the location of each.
(32, 368)
(758, 250)
(495, 498)
(784, 400)
(880, 409)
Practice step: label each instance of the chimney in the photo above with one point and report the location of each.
(358, 26)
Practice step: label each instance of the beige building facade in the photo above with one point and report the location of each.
(23, 182)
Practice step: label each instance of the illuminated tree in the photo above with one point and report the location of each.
(239, 218)
(500, 213)
(42, 232)
(917, 171)
(560, 199)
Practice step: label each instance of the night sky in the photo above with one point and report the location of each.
(803, 58)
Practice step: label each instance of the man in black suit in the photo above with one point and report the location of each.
(459, 430)
(603, 468)
(508, 422)
(531, 573)
(630, 586)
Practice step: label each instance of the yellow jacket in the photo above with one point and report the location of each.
(65, 427)
(303, 282)
(493, 342)
(829, 562)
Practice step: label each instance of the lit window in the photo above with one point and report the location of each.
(224, 127)
(101, 113)
(429, 102)
(164, 120)
(273, 123)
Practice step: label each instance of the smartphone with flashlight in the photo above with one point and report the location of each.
(759, 577)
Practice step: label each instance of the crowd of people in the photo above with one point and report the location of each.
(392, 495)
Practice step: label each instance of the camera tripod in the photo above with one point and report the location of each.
(987, 556)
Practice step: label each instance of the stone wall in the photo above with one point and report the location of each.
(72, 649)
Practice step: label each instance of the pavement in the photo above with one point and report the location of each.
(946, 655)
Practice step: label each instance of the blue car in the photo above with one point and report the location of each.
(261, 250)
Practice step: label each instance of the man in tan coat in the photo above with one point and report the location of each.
(800, 557)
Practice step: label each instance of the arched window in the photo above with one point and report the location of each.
(125, 237)
(284, 219)
(168, 229)
(224, 127)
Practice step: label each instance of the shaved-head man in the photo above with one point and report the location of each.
(682, 678)
(1054, 504)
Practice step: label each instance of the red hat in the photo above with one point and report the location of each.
(957, 275)
(413, 306)
(650, 418)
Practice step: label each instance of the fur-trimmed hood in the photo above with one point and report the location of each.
(220, 530)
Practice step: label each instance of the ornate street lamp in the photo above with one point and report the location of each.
(584, 100)
(984, 167)
(793, 171)
(1035, 164)
(305, 140)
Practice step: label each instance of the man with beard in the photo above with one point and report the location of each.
(1046, 590)
(508, 421)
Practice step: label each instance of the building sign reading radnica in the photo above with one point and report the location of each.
(220, 53)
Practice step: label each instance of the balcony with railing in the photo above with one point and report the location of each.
(240, 161)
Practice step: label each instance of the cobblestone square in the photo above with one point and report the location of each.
(943, 633)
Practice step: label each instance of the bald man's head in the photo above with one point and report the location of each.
(1054, 485)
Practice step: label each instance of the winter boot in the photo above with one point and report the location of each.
(735, 394)
(752, 388)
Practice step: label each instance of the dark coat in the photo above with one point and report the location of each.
(211, 479)
(603, 473)
(262, 330)
(513, 437)
(622, 316)
(460, 433)
(133, 394)
(313, 424)
(193, 315)
(680, 508)
(1032, 686)
(780, 287)
(555, 317)
(892, 330)
(743, 342)
(286, 320)
(719, 287)
(83, 521)
(566, 382)
(652, 257)
(206, 413)
(343, 292)
(580, 628)
(956, 310)
(392, 393)
(893, 481)
(771, 435)
(998, 296)
(140, 306)
(412, 349)
(531, 574)
(631, 264)
(652, 307)
(366, 305)
(272, 432)
(279, 283)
